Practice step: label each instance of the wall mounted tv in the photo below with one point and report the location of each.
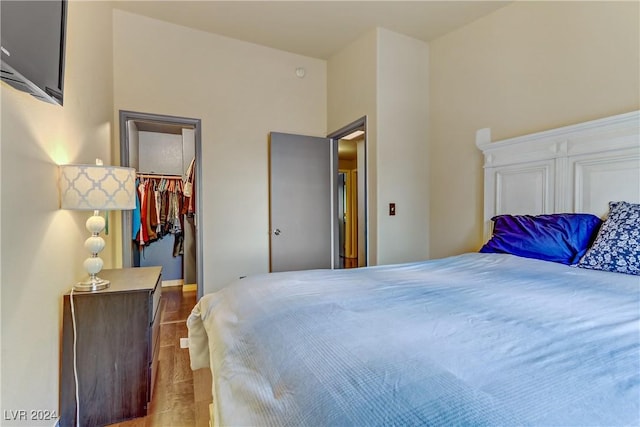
(32, 35)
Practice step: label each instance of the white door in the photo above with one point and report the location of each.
(300, 208)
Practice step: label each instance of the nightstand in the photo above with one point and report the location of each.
(117, 345)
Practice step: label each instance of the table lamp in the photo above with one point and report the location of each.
(95, 188)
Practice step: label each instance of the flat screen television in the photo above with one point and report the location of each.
(32, 35)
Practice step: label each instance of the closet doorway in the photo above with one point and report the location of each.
(165, 151)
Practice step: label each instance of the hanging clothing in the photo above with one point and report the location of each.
(162, 206)
(142, 235)
(189, 207)
(178, 245)
(151, 222)
(136, 214)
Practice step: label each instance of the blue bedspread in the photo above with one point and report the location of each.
(476, 339)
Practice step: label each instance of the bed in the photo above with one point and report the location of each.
(484, 338)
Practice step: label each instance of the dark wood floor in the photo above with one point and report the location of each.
(348, 262)
(174, 403)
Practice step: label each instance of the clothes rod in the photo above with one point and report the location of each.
(158, 175)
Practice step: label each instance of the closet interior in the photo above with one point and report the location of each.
(162, 228)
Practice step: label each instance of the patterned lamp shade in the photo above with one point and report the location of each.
(94, 187)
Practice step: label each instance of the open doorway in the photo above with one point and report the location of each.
(317, 219)
(165, 151)
(350, 237)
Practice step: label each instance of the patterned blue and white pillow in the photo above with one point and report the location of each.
(617, 246)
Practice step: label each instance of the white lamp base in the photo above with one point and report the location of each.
(93, 264)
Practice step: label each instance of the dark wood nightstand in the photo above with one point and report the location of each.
(117, 344)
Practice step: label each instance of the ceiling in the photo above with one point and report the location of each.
(313, 28)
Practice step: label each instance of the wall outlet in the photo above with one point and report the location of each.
(184, 342)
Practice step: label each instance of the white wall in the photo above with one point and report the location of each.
(384, 75)
(241, 92)
(402, 101)
(160, 153)
(527, 67)
(41, 246)
(351, 90)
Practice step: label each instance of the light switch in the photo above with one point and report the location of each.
(392, 209)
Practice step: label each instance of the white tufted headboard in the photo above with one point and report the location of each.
(578, 168)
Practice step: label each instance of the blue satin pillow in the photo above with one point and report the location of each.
(562, 238)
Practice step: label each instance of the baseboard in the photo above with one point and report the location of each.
(167, 283)
(190, 287)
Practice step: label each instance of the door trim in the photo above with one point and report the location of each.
(196, 124)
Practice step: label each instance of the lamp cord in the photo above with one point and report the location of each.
(75, 352)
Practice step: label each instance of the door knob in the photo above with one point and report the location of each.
(277, 231)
